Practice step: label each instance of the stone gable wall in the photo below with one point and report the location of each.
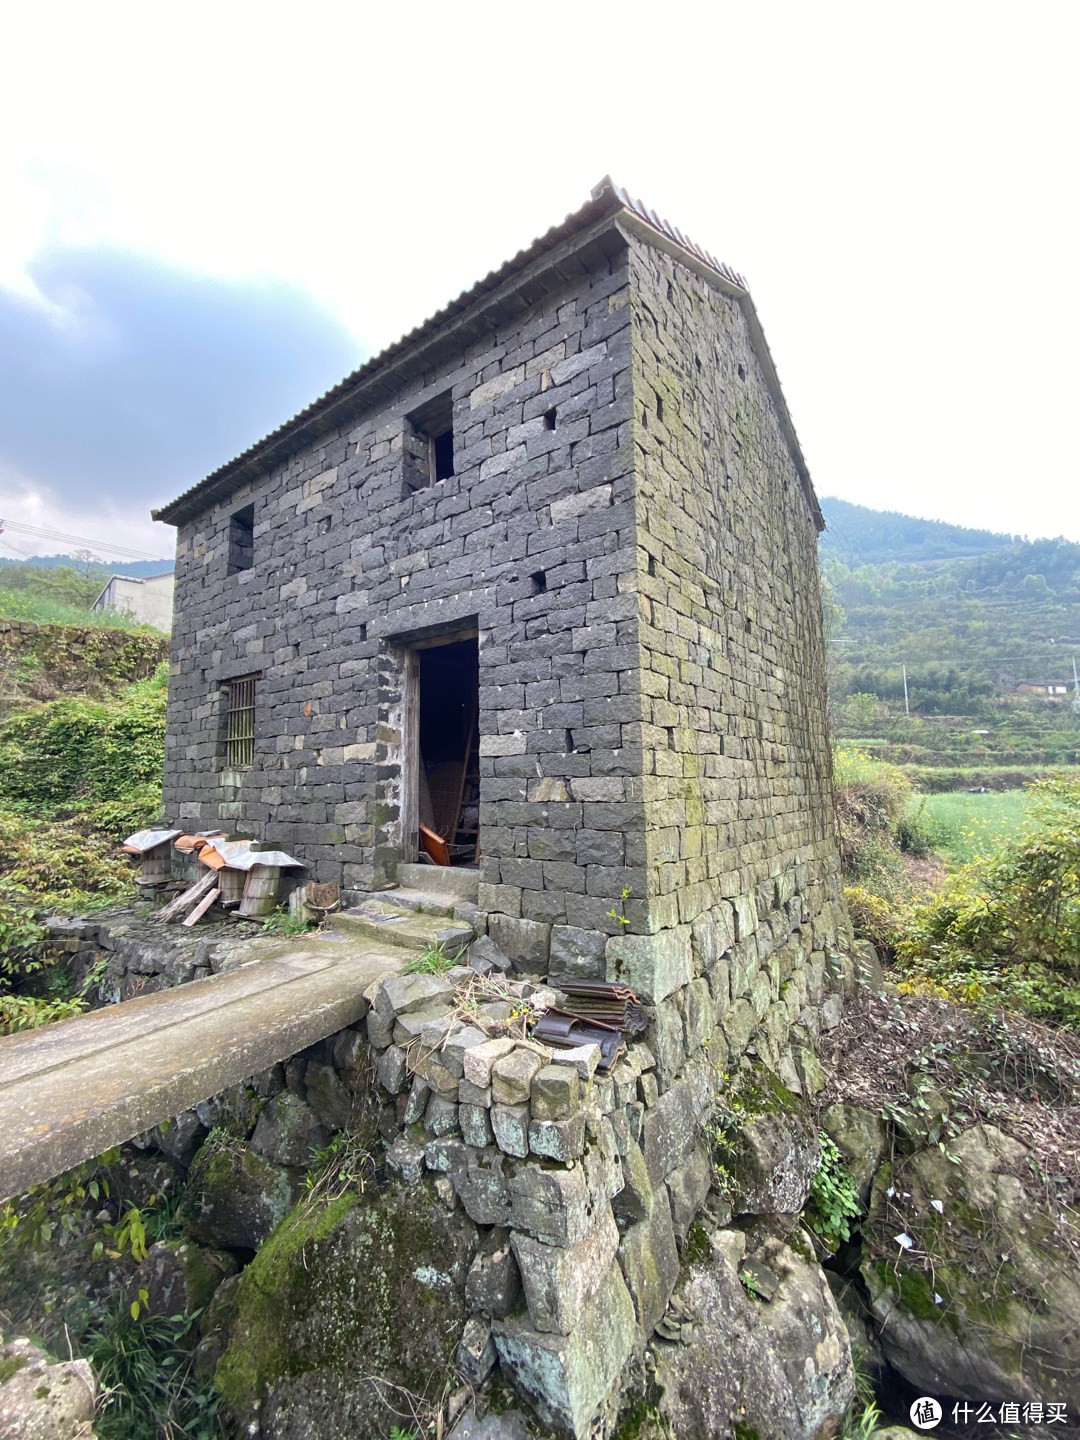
(345, 556)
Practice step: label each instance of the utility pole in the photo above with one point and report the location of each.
(1076, 687)
(907, 707)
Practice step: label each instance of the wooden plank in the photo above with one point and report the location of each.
(202, 907)
(184, 901)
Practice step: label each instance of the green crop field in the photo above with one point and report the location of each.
(967, 826)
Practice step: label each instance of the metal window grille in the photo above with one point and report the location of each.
(240, 737)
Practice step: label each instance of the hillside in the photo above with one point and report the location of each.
(969, 631)
(857, 535)
(59, 590)
(140, 569)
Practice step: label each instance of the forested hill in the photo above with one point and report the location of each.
(138, 568)
(857, 535)
(969, 631)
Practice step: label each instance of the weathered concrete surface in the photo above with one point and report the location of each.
(74, 1089)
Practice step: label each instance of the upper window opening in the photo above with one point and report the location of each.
(549, 419)
(241, 539)
(429, 443)
(240, 732)
(442, 454)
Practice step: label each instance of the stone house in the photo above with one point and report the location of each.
(543, 576)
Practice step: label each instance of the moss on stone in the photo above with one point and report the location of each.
(11, 1365)
(633, 1422)
(697, 1246)
(379, 1276)
(760, 1092)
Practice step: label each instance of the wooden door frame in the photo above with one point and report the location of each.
(410, 733)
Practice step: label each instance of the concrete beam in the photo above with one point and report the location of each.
(77, 1088)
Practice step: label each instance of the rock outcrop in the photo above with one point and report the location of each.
(974, 1278)
(780, 1366)
(353, 1305)
(40, 1400)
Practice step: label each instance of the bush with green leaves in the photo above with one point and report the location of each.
(876, 821)
(834, 1198)
(144, 1366)
(73, 754)
(1008, 928)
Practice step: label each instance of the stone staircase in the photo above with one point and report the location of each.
(421, 910)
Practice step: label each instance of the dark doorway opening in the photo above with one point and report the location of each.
(448, 801)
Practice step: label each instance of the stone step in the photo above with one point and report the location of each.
(454, 880)
(422, 901)
(394, 925)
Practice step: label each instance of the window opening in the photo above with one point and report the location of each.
(442, 454)
(549, 419)
(429, 443)
(538, 581)
(241, 539)
(449, 744)
(659, 407)
(240, 732)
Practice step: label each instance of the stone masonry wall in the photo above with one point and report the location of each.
(348, 561)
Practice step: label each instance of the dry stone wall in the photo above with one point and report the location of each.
(591, 1191)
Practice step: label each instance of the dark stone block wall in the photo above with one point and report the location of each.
(349, 565)
(654, 760)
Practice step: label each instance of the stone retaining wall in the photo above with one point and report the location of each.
(588, 1184)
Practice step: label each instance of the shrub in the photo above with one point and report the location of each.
(1008, 929)
(871, 799)
(42, 864)
(873, 918)
(75, 752)
(834, 1197)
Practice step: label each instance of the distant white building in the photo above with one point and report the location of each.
(149, 601)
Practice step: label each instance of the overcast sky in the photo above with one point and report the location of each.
(212, 212)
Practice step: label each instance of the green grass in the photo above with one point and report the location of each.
(966, 827)
(21, 605)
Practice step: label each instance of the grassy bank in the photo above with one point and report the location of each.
(1002, 928)
(964, 827)
(77, 775)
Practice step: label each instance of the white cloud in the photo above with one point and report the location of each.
(107, 530)
(893, 181)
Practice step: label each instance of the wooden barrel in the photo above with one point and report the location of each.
(232, 886)
(260, 890)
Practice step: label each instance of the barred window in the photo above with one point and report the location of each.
(240, 735)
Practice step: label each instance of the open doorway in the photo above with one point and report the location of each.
(448, 768)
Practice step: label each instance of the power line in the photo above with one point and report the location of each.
(123, 550)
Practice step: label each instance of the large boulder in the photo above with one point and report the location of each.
(972, 1277)
(42, 1401)
(772, 1146)
(235, 1196)
(348, 1299)
(786, 1371)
